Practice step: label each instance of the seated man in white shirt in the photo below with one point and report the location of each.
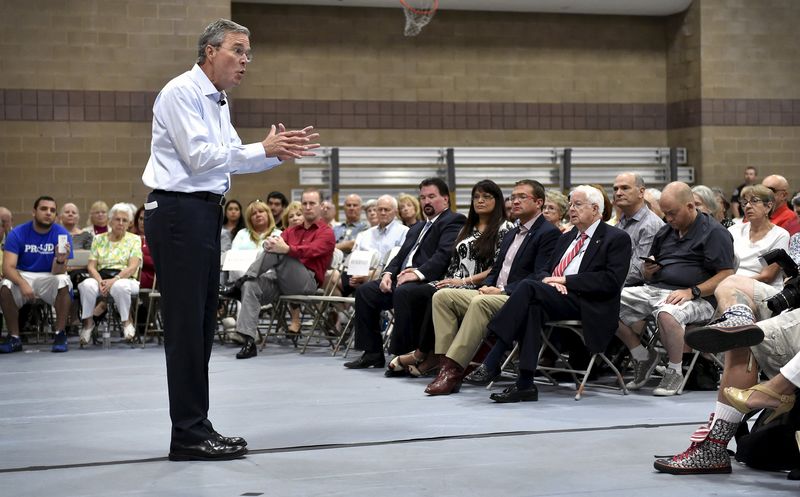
(382, 238)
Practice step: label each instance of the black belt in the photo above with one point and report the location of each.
(214, 198)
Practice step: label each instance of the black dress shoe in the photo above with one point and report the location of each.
(482, 376)
(514, 394)
(207, 450)
(229, 440)
(367, 360)
(248, 349)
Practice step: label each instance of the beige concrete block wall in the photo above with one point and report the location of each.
(346, 53)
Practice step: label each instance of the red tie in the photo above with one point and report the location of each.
(559, 270)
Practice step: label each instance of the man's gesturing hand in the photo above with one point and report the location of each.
(292, 144)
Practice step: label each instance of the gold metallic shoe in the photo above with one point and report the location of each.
(738, 399)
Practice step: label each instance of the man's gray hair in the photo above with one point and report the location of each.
(214, 34)
(391, 200)
(121, 207)
(593, 195)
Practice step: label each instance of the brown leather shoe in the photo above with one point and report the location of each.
(448, 380)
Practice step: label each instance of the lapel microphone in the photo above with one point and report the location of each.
(222, 101)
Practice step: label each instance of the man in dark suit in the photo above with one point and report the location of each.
(423, 257)
(584, 279)
(460, 315)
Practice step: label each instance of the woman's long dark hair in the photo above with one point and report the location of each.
(486, 244)
(239, 223)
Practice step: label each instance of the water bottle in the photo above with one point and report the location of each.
(106, 334)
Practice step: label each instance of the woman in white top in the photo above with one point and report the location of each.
(754, 238)
(260, 226)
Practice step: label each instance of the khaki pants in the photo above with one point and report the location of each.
(460, 318)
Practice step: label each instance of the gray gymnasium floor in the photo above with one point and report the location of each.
(95, 423)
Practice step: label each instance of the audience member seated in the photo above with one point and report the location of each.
(690, 256)
(706, 201)
(293, 215)
(507, 206)
(796, 205)
(460, 315)
(408, 209)
(771, 345)
(259, 226)
(474, 253)
(113, 265)
(232, 224)
(345, 233)
(69, 219)
(636, 219)
(782, 215)
(652, 197)
(329, 213)
(750, 178)
(583, 280)
(371, 212)
(6, 224)
(423, 257)
(554, 210)
(299, 256)
(277, 202)
(388, 234)
(147, 274)
(34, 266)
(98, 218)
(753, 239)
(724, 206)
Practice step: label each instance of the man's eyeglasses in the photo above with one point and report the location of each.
(754, 201)
(519, 196)
(240, 52)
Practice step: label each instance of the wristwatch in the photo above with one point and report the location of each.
(695, 292)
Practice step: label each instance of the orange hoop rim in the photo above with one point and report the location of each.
(434, 8)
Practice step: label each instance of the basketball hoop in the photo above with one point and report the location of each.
(418, 14)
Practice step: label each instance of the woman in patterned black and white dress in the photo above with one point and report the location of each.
(476, 248)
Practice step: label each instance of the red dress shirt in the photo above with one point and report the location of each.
(786, 219)
(313, 246)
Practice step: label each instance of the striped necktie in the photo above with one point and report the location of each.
(559, 270)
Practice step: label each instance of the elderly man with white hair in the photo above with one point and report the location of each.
(113, 266)
(582, 280)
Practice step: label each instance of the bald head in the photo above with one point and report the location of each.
(352, 208)
(679, 192)
(779, 186)
(677, 204)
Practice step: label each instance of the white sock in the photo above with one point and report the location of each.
(677, 367)
(639, 353)
(727, 413)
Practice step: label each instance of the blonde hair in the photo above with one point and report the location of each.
(405, 197)
(98, 205)
(261, 206)
(293, 206)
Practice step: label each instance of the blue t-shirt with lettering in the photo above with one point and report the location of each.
(35, 251)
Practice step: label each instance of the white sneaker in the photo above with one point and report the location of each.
(86, 335)
(129, 331)
(670, 384)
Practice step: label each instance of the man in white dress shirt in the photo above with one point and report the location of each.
(194, 151)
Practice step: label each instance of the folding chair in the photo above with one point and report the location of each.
(562, 364)
(309, 304)
(153, 321)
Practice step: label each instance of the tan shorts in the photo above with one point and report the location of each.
(637, 303)
(781, 341)
(45, 286)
